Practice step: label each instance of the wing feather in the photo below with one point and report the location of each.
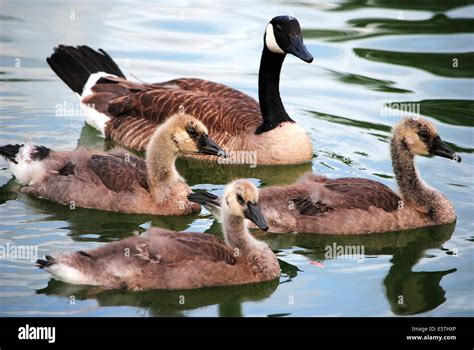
(171, 247)
(119, 174)
(347, 193)
(222, 109)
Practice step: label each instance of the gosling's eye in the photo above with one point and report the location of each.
(192, 131)
(423, 135)
(240, 199)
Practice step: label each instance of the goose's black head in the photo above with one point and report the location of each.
(283, 35)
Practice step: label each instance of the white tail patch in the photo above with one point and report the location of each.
(69, 274)
(94, 118)
(26, 170)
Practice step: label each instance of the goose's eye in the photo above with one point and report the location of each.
(278, 28)
(192, 131)
(240, 199)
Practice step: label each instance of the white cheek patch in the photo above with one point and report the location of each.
(270, 40)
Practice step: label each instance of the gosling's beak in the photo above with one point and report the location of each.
(440, 148)
(254, 214)
(207, 146)
(298, 49)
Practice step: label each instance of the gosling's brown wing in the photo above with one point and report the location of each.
(126, 156)
(173, 246)
(118, 174)
(347, 193)
(306, 206)
(68, 168)
(208, 246)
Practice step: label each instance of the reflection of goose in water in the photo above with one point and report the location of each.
(106, 226)
(421, 291)
(215, 173)
(169, 303)
(9, 191)
(410, 292)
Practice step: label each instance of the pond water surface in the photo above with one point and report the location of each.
(367, 54)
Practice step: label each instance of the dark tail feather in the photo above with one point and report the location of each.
(203, 197)
(10, 151)
(74, 65)
(45, 263)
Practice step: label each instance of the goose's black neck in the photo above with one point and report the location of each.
(273, 112)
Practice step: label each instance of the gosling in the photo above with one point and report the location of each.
(317, 204)
(116, 180)
(163, 259)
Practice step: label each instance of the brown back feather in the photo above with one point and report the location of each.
(348, 193)
(222, 109)
(167, 247)
(118, 174)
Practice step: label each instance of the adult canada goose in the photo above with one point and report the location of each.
(163, 259)
(316, 204)
(115, 181)
(128, 112)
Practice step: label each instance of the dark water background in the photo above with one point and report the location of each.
(367, 54)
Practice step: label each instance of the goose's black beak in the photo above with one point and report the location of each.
(298, 49)
(254, 214)
(208, 146)
(440, 148)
